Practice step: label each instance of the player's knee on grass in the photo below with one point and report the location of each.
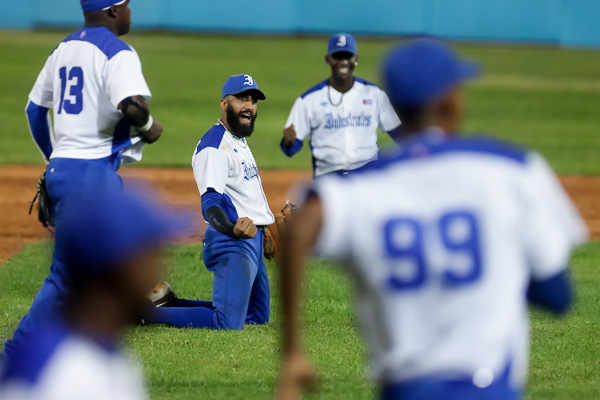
(257, 319)
(227, 322)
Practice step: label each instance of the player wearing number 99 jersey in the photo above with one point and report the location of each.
(447, 238)
(93, 81)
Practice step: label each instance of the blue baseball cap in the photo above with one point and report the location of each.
(342, 42)
(241, 83)
(96, 5)
(100, 230)
(421, 70)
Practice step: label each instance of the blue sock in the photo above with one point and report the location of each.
(182, 317)
(192, 303)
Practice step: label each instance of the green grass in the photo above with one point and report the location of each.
(191, 364)
(543, 98)
(540, 97)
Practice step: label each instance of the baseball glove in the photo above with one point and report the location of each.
(45, 210)
(273, 232)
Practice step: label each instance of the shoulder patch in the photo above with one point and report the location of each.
(212, 138)
(315, 88)
(106, 41)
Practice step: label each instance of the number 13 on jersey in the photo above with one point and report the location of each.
(410, 245)
(74, 82)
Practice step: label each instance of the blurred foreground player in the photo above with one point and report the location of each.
(446, 239)
(340, 115)
(94, 83)
(76, 354)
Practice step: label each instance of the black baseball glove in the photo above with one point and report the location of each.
(44, 206)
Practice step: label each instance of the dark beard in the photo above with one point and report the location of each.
(238, 129)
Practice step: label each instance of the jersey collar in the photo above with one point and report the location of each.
(337, 91)
(241, 141)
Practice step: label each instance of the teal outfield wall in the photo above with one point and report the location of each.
(561, 22)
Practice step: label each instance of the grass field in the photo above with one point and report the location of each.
(200, 364)
(544, 98)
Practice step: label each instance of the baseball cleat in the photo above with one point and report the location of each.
(162, 295)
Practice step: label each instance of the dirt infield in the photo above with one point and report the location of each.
(177, 187)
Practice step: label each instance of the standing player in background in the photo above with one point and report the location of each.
(235, 206)
(447, 238)
(340, 115)
(75, 354)
(94, 83)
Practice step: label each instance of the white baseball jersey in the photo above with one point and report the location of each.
(225, 163)
(443, 239)
(84, 80)
(342, 128)
(62, 366)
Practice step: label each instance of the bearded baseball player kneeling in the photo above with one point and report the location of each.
(235, 206)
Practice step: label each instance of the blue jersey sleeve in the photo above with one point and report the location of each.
(293, 149)
(209, 199)
(39, 124)
(553, 294)
(214, 213)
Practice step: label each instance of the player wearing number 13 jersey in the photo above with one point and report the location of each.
(93, 81)
(447, 239)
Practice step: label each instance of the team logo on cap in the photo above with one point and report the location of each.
(249, 81)
(82, 35)
(341, 41)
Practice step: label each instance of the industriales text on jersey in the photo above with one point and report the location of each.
(338, 121)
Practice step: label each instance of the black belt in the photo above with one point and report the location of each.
(262, 228)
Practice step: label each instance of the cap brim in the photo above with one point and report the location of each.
(469, 70)
(341, 50)
(259, 93)
(118, 3)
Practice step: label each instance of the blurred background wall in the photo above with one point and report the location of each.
(558, 22)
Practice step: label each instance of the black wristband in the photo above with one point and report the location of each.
(217, 218)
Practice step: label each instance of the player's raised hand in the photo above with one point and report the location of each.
(244, 228)
(296, 376)
(289, 135)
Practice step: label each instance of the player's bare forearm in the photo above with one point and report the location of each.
(297, 241)
(291, 275)
(297, 372)
(297, 375)
(136, 111)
